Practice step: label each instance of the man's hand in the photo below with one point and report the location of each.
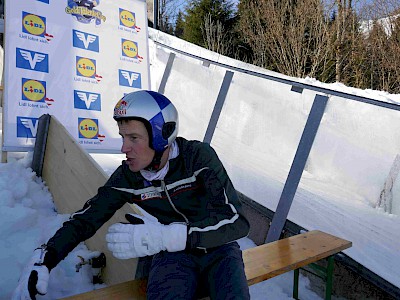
(34, 278)
(138, 240)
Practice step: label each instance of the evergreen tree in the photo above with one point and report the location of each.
(179, 25)
(196, 14)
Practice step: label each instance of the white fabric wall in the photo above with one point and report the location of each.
(262, 121)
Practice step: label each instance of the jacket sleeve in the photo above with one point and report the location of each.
(224, 221)
(84, 223)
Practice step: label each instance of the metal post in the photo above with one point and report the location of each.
(167, 72)
(40, 144)
(155, 14)
(296, 284)
(218, 106)
(296, 170)
(329, 278)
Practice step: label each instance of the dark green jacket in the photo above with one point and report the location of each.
(196, 190)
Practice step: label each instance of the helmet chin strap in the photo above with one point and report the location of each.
(155, 163)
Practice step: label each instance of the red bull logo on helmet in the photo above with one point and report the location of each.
(120, 108)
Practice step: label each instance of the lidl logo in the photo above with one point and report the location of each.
(129, 48)
(44, 1)
(33, 24)
(87, 100)
(32, 60)
(85, 40)
(127, 18)
(27, 127)
(33, 90)
(129, 78)
(85, 67)
(88, 128)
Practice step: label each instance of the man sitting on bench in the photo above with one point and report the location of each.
(191, 213)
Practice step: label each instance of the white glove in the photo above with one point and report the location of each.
(34, 278)
(138, 240)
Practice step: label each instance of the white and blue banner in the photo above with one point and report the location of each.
(73, 59)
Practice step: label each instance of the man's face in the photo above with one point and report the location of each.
(135, 144)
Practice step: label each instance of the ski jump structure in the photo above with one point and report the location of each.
(73, 177)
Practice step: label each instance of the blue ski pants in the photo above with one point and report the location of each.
(192, 274)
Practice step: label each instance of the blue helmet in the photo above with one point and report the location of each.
(157, 113)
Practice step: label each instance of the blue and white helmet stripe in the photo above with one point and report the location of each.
(157, 110)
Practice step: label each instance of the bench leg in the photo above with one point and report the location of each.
(329, 278)
(296, 284)
(325, 273)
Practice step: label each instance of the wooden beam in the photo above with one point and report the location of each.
(130, 290)
(73, 177)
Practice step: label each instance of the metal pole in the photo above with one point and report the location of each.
(155, 14)
(167, 72)
(296, 170)
(223, 91)
(40, 144)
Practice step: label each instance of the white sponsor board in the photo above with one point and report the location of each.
(73, 59)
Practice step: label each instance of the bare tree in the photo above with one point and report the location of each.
(340, 37)
(385, 47)
(290, 36)
(167, 13)
(350, 55)
(215, 36)
(382, 43)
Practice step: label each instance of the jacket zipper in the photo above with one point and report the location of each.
(164, 187)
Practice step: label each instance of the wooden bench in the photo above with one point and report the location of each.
(261, 263)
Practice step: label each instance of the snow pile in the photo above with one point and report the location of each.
(27, 220)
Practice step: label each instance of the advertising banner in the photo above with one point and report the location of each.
(73, 59)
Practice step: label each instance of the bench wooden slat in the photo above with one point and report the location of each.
(129, 290)
(269, 260)
(261, 263)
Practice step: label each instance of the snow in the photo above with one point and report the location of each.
(386, 23)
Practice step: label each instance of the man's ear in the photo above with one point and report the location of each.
(168, 129)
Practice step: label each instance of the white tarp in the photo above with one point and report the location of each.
(73, 59)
